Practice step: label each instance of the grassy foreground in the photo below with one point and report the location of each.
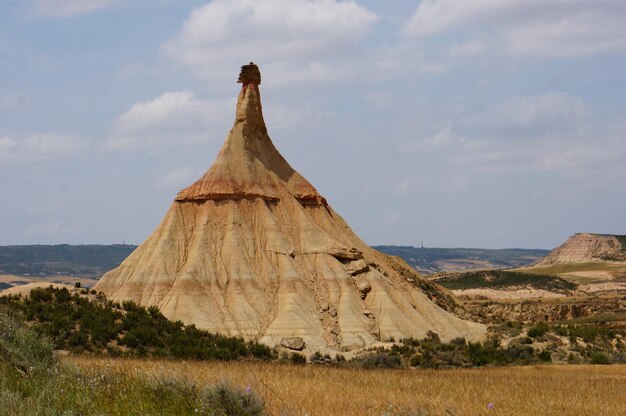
(320, 390)
(34, 382)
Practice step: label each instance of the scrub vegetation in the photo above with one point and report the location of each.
(84, 322)
(34, 382)
(495, 279)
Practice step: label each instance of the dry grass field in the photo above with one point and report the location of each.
(319, 390)
(581, 272)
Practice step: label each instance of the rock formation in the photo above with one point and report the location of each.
(252, 249)
(585, 248)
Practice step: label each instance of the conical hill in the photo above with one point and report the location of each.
(252, 249)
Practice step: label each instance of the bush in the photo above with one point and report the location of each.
(21, 348)
(514, 324)
(481, 354)
(459, 341)
(298, 359)
(75, 323)
(538, 330)
(598, 357)
(225, 400)
(504, 278)
(32, 382)
(377, 360)
(545, 356)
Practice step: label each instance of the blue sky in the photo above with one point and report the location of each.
(490, 123)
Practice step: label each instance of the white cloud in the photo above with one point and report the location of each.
(172, 118)
(437, 16)
(181, 117)
(530, 115)
(6, 145)
(549, 133)
(559, 28)
(470, 48)
(408, 184)
(442, 139)
(178, 178)
(69, 8)
(585, 33)
(40, 147)
(295, 40)
(72, 8)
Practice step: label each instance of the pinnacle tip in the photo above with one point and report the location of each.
(249, 74)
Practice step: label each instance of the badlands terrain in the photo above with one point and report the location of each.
(538, 316)
(252, 266)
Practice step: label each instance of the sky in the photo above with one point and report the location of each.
(484, 123)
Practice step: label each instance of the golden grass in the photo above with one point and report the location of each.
(317, 390)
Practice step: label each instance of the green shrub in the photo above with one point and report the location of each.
(77, 324)
(538, 330)
(225, 400)
(377, 360)
(459, 341)
(545, 356)
(21, 348)
(481, 354)
(32, 382)
(598, 357)
(298, 359)
(504, 278)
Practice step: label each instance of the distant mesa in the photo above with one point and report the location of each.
(586, 247)
(252, 249)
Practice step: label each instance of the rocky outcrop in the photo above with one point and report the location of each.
(252, 249)
(584, 248)
(529, 312)
(293, 343)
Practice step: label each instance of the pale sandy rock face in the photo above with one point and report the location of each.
(252, 249)
(583, 248)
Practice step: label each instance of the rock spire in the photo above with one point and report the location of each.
(252, 249)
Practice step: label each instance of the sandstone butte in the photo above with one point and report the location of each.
(586, 248)
(252, 249)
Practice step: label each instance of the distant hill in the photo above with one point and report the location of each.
(92, 261)
(432, 260)
(89, 261)
(587, 247)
